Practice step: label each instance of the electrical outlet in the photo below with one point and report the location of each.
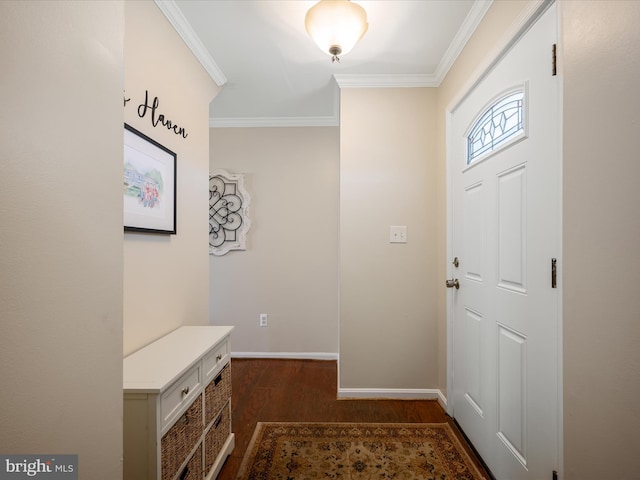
(263, 319)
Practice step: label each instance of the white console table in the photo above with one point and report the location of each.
(177, 406)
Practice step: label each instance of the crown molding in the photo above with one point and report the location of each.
(176, 18)
(385, 81)
(469, 25)
(527, 17)
(471, 22)
(247, 122)
(265, 122)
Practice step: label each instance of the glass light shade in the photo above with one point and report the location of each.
(336, 23)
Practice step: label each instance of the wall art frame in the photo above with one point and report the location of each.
(149, 188)
(229, 219)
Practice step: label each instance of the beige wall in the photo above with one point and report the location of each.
(290, 267)
(600, 69)
(388, 330)
(166, 277)
(61, 234)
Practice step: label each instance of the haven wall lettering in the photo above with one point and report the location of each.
(150, 110)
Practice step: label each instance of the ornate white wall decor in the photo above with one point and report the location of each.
(228, 212)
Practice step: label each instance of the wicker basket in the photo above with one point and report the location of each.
(193, 470)
(180, 440)
(217, 394)
(216, 436)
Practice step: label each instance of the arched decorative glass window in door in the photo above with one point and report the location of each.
(499, 125)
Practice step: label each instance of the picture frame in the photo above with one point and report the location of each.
(149, 187)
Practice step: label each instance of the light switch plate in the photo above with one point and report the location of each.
(398, 234)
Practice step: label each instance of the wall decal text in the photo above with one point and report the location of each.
(157, 118)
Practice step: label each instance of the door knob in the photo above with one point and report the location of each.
(453, 283)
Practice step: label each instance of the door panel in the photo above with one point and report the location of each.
(512, 261)
(473, 359)
(512, 381)
(473, 232)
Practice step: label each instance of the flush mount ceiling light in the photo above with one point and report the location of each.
(336, 26)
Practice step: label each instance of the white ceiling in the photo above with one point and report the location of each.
(272, 72)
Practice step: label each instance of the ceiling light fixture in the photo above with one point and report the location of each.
(336, 26)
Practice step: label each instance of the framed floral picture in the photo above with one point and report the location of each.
(149, 187)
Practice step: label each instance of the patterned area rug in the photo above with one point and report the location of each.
(350, 451)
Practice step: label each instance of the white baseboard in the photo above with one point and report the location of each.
(393, 393)
(287, 355)
(354, 393)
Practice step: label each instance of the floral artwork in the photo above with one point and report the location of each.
(149, 185)
(144, 185)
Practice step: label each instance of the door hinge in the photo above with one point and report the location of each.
(554, 273)
(554, 476)
(554, 61)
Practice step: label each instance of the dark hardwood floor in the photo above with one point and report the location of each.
(268, 390)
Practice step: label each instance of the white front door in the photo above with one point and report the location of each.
(505, 230)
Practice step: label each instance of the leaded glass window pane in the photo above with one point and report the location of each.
(500, 122)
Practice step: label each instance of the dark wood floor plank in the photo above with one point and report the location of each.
(275, 390)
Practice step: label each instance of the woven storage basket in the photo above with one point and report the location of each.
(193, 470)
(216, 436)
(217, 393)
(180, 439)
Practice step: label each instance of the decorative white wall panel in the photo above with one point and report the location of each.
(228, 212)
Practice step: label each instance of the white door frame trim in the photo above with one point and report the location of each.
(518, 28)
